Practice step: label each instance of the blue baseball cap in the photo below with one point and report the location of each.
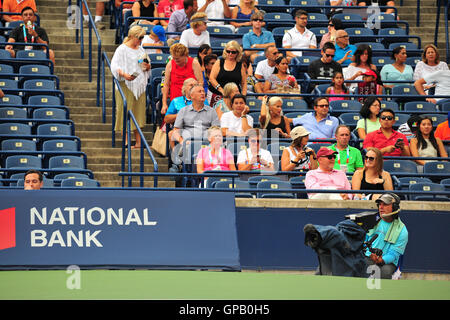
(160, 32)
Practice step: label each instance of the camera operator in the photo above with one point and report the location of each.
(391, 236)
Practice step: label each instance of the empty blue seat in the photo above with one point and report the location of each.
(80, 183)
(34, 69)
(254, 103)
(406, 45)
(70, 175)
(55, 129)
(158, 60)
(295, 104)
(24, 162)
(428, 192)
(42, 100)
(254, 180)
(60, 145)
(8, 112)
(437, 118)
(66, 162)
(419, 106)
(15, 129)
(39, 84)
(350, 119)
(219, 31)
(437, 167)
(389, 105)
(340, 106)
(49, 113)
(6, 68)
(236, 185)
(275, 185)
(18, 145)
(400, 166)
(8, 84)
(11, 99)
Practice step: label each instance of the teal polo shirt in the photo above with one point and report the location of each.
(340, 53)
(354, 157)
(251, 38)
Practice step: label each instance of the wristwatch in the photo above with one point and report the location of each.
(296, 163)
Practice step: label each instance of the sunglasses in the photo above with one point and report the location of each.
(141, 37)
(323, 106)
(331, 25)
(231, 51)
(254, 141)
(260, 20)
(330, 157)
(369, 158)
(387, 118)
(329, 55)
(275, 53)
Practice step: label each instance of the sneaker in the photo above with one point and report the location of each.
(99, 25)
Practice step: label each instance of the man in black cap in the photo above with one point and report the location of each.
(391, 236)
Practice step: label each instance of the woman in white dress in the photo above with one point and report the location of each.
(130, 66)
(430, 63)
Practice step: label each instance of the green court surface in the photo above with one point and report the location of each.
(207, 285)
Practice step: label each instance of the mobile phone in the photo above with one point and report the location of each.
(135, 74)
(398, 142)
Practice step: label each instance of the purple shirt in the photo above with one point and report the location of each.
(334, 179)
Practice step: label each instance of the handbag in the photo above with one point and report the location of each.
(159, 143)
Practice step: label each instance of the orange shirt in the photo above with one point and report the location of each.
(442, 131)
(17, 6)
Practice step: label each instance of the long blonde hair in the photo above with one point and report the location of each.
(134, 32)
(235, 45)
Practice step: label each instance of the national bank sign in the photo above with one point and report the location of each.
(117, 228)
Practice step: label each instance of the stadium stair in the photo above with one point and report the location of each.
(80, 98)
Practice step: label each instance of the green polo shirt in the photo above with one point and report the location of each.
(354, 158)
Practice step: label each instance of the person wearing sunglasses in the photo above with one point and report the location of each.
(325, 67)
(348, 158)
(334, 24)
(257, 37)
(320, 123)
(344, 50)
(327, 178)
(229, 68)
(299, 37)
(243, 11)
(372, 176)
(255, 157)
(389, 141)
(132, 71)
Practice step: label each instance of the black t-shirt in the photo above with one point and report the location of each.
(320, 70)
(18, 36)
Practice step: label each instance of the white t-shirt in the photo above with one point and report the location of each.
(246, 155)
(190, 39)
(295, 39)
(214, 11)
(233, 123)
(263, 69)
(146, 40)
(422, 69)
(442, 80)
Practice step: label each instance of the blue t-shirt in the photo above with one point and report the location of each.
(340, 53)
(391, 251)
(251, 38)
(179, 103)
(324, 129)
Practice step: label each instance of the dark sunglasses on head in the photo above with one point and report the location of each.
(231, 51)
(369, 158)
(387, 118)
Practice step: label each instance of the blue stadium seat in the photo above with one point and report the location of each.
(400, 166)
(358, 34)
(427, 192)
(442, 168)
(270, 5)
(218, 31)
(254, 180)
(255, 116)
(319, 31)
(380, 61)
(389, 105)
(317, 19)
(406, 45)
(50, 113)
(404, 90)
(276, 149)
(147, 27)
(18, 145)
(412, 61)
(300, 65)
(275, 185)
(350, 20)
(23, 162)
(11, 99)
(70, 175)
(39, 84)
(253, 103)
(211, 181)
(243, 30)
(31, 54)
(446, 183)
(405, 182)
(158, 60)
(236, 185)
(373, 46)
(295, 104)
(6, 68)
(317, 145)
(8, 112)
(299, 183)
(80, 183)
(278, 19)
(8, 84)
(236, 147)
(60, 145)
(350, 119)
(340, 106)
(34, 69)
(419, 106)
(4, 54)
(437, 118)
(19, 129)
(54, 129)
(392, 35)
(44, 100)
(296, 114)
(66, 162)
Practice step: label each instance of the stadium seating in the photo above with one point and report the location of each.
(79, 183)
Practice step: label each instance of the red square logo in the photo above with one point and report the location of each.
(7, 228)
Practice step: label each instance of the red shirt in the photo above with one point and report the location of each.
(378, 140)
(178, 75)
(442, 131)
(167, 7)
